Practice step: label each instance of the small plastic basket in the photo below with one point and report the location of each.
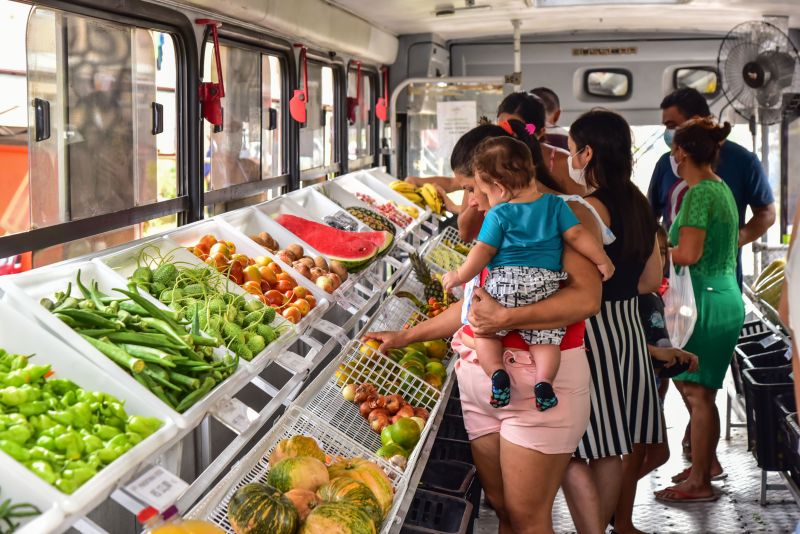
(254, 467)
(437, 513)
(761, 386)
(451, 477)
(773, 358)
(791, 442)
(452, 427)
(451, 449)
(360, 364)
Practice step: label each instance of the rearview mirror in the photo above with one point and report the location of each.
(613, 84)
(703, 79)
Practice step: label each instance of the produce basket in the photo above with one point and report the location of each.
(255, 465)
(20, 335)
(125, 262)
(360, 364)
(761, 386)
(26, 289)
(448, 476)
(451, 449)
(437, 513)
(439, 255)
(189, 235)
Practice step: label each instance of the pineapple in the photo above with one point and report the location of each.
(433, 287)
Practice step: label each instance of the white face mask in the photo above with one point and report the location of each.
(674, 164)
(578, 175)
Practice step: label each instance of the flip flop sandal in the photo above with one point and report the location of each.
(683, 475)
(680, 496)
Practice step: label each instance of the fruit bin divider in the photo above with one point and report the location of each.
(124, 263)
(28, 287)
(254, 466)
(24, 335)
(261, 218)
(189, 235)
(393, 314)
(360, 364)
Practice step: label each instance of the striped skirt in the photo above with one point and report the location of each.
(625, 404)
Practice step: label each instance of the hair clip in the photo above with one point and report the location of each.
(530, 128)
(507, 127)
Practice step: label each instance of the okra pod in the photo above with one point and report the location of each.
(90, 318)
(189, 400)
(116, 354)
(149, 355)
(153, 310)
(187, 381)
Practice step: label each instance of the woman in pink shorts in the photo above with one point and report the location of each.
(521, 453)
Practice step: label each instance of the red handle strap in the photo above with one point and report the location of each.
(385, 72)
(304, 63)
(213, 25)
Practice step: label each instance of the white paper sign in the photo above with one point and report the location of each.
(454, 119)
(158, 487)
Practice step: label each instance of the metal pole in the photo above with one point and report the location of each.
(517, 24)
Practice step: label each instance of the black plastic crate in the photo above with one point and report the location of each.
(785, 404)
(773, 358)
(453, 407)
(791, 436)
(451, 449)
(753, 327)
(452, 427)
(450, 477)
(760, 343)
(437, 513)
(761, 386)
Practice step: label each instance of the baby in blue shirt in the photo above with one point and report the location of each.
(521, 241)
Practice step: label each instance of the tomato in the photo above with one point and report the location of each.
(311, 299)
(263, 299)
(287, 277)
(220, 261)
(254, 288)
(208, 241)
(268, 274)
(303, 306)
(241, 258)
(203, 249)
(230, 246)
(265, 286)
(220, 248)
(236, 273)
(301, 292)
(274, 298)
(290, 295)
(292, 314)
(283, 286)
(252, 274)
(275, 267)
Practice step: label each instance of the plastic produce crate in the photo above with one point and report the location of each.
(451, 449)
(753, 327)
(452, 427)
(360, 364)
(433, 512)
(773, 358)
(791, 439)
(27, 288)
(450, 477)
(20, 335)
(254, 467)
(453, 407)
(753, 345)
(785, 404)
(761, 386)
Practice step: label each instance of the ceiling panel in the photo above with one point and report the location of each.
(417, 16)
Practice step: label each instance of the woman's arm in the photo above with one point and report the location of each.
(576, 301)
(690, 248)
(469, 220)
(588, 245)
(443, 325)
(653, 272)
(670, 356)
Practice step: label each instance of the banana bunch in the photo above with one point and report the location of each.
(425, 196)
(411, 211)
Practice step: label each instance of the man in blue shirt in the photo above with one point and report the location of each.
(737, 166)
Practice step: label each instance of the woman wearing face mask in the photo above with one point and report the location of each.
(705, 234)
(626, 413)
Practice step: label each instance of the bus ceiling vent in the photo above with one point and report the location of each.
(297, 104)
(354, 102)
(211, 93)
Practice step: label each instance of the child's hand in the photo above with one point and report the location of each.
(451, 280)
(607, 270)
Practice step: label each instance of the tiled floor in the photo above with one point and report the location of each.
(737, 511)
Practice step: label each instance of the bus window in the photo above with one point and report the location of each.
(359, 137)
(271, 155)
(317, 134)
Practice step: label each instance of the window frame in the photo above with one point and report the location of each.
(188, 203)
(705, 68)
(237, 192)
(370, 74)
(338, 163)
(615, 70)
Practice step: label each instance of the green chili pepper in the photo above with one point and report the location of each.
(46, 442)
(15, 450)
(105, 432)
(91, 443)
(43, 469)
(33, 408)
(17, 433)
(66, 485)
(142, 425)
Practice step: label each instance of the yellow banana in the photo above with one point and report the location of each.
(414, 197)
(402, 187)
(431, 197)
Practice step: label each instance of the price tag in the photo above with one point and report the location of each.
(770, 340)
(235, 414)
(157, 487)
(789, 353)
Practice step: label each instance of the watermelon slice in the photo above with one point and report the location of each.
(353, 249)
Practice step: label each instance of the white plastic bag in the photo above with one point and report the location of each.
(680, 309)
(469, 291)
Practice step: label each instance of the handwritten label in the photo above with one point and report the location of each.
(157, 487)
(770, 340)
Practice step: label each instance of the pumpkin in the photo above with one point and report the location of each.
(337, 518)
(304, 501)
(350, 491)
(301, 472)
(294, 447)
(369, 474)
(261, 509)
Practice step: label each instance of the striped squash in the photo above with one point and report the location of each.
(261, 509)
(337, 518)
(301, 472)
(368, 473)
(296, 446)
(350, 491)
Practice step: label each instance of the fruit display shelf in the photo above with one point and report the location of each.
(411, 283)
(361, 364)
(254, 466)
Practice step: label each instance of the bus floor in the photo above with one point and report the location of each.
(737, 511)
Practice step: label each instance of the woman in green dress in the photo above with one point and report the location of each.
(705, 238)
